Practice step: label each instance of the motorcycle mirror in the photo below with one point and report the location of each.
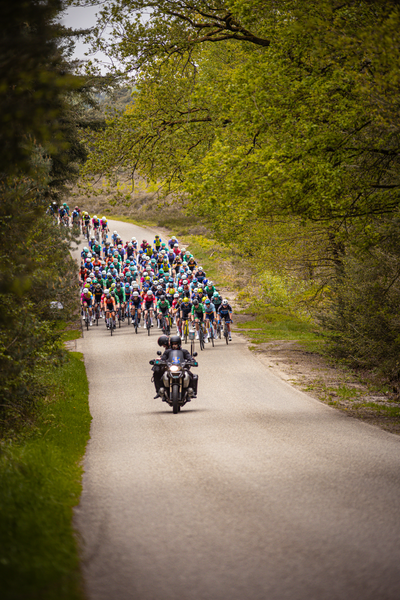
(194, 354)
(151, 362)
(159, 352)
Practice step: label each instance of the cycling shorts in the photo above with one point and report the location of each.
(148, 305)
(210, 316)
(88, 302)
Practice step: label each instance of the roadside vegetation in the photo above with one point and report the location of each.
(44, 418)
(40, 483)
(279, 138)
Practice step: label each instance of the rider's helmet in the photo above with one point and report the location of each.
(89, 255)
(115, 232)
(103, 273)
(208, 301)
(163, 340)
(185, 300)
(225, 302)
(87, 286)
(159, 287)
(108, 295)
(104, 219)
(176, 246)
(147, 278)
(98, 286)
(130, 245)
(119, 246)
(195, 302)
(65, 204)
(162, 298)
(209, 283)
(113, 285)
(215, 295)
(149, 293)
(92, 238)
(180, 290)
(127, 285)
(175, 340)
(135, 294)
(199, 268)
(185, 282)
(118, 285)
(176, 295)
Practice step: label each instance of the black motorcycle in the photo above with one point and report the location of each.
(177, 379)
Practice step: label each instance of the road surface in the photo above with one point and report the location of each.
(255, 491)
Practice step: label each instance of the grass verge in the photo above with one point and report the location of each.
(40, 483)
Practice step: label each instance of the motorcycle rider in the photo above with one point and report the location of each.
(175, 343)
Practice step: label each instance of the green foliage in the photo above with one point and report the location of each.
(40, 474)
(283, 132)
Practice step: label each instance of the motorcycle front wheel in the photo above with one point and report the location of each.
(175, 399)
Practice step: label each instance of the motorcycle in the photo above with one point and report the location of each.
(176, 379)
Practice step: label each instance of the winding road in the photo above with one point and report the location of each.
(255, 491)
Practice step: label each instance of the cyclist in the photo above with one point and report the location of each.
(210, 289)
(120, 299)
(197, 315)
(157, 243)
(104, 228)
(148, 305)
(75, 216)
(163, 308)
(109, 305)
(210, 314)
(85, 224)
(86, 302)
(98, 299)
(184, 313)
(225, 312)
(135, 306)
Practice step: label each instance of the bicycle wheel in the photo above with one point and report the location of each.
(111, 322)
(211, 334)
(87, 320)
(136, 322)
(148, 324)
(226, 333)
(128, 316)
(119, 318)
(201, 338)
(186, 330)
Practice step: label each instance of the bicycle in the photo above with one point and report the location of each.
(201, 336)
(218, 332)
(119, 317)
(97, 313)
(165, 324)
(87, 318)
(148, 322)
(210, 329)
(226, 332)
(186, 330)
(96, 234)
(136, 321)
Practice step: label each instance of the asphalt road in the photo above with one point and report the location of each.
(254, 491)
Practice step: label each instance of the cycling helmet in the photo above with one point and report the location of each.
(87, 286)
(130, 245)
(98, 286)
(225, 302)
(195, 302)
(135, 294)
(176, 295)
(162, 298)
(149, 293)
(118, 285)
(97, 268)
(127, 285)
(186, 300)
(163, 340)
(180, 290)
(103, 273)
(147, 278)
(89, 255)
(109, 275)
(175, 340)
(117, 279)
(176, 246)
(209, 283)
(108, 296)
(159, 287)
(115, 232)
(95, 217)
(215, 295)
(86, 249)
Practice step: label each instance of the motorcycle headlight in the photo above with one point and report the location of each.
(175, 368)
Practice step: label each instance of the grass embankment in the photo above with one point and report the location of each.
(40, 483)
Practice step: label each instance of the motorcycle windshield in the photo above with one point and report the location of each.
(176, 357)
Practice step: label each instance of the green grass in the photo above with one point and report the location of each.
(40, 482)
(274, 324)
(210, 255)
(71, 334)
